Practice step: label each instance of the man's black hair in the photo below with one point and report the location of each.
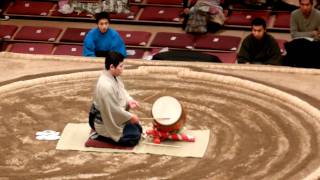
(114, 58)
(102, 15)
(259, 22)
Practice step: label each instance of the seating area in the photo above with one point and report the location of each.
(140, 43)
(147, 12)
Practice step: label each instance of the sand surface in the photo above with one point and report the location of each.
(264, 121)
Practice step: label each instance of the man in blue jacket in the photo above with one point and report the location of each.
(102, 39)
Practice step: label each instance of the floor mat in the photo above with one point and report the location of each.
(75, 135)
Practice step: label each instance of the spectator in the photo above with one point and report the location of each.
(303, 50)
(102, 39)
(259, 47)
(202, 16)
(305, 21)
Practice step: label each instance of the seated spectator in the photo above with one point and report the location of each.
(303, 50)
(305, 21)
(102, 39)
(203, 16)
(93, 6)
(259, 47)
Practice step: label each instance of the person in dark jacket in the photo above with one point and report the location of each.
(259, 47)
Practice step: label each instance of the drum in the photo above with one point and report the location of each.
(168, 114)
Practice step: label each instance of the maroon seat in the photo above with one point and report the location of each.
(225, 57)
(165, 2)
(30, 8)
(74, 35)
(35, 33)
(32, 48)
(217, 42)
(135, 38)
(7, 31)
(174, 40)
(244, 18)
(282, 20)
(135, 53)
(133, 13)
(152, 13)
(72, 50)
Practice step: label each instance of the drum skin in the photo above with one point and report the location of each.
(173, 127)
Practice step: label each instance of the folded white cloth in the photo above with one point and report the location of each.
(47, 135)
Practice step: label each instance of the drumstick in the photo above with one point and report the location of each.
(164, 145)
(151, 118)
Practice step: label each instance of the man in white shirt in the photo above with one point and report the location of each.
(108, 116)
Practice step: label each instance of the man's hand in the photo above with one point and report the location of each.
(133, 104)
(134, 119)
(186, 10)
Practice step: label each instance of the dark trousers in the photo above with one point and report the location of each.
(130, 136)
(302, 53)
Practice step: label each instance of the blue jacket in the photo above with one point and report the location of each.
(97, 41)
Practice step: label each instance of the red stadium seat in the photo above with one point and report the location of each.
(31, 48)
(74, 35)
(133, 13)
(30, 8)
(135, 53)
(282, 20)
(72, 50)
(217, 42)
(7, 31)
(135, 38)
(244, 18)
(152, 13)
(226, 57)
(35, 33)
(174, 40)
(165, 2)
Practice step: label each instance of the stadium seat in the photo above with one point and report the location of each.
(132, 15)
(30, 8)
(7, 31)
(135, 38)
(72, 50)
(36, 33)
(173, 40)
(31, 48)
(76, 35)
(135, 53)
(244, 18)
(217, 42)
(225, 57)
(153, 13)
(282, 20)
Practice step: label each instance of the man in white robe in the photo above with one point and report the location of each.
(108, 116)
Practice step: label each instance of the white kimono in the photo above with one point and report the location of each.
(111, 99)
